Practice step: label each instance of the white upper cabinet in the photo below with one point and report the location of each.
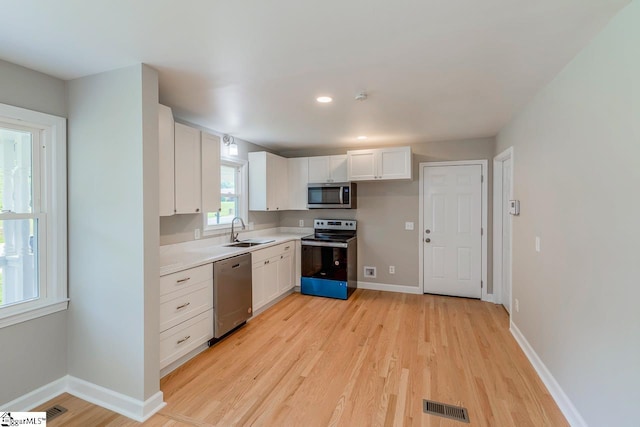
(298, 180)
(188, 184)
(379, 164)
(166, 156)
(268, 182)
(327, 169)
(210, 151)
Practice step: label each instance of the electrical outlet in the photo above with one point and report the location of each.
(517, 301)
(370, 272)
(537, 244)
(196, 233)
(392, 269)
(301, 223)
(408, 225)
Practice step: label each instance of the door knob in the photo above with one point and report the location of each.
(427, 240)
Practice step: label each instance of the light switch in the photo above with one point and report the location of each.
(408, 225)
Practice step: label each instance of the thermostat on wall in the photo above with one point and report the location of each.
(514, 207)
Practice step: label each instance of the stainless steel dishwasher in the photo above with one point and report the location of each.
(232, 296)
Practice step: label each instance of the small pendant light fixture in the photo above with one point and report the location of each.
(230, 143)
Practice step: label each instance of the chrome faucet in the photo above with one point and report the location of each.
(234, 236)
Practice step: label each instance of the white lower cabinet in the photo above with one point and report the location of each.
(285, 272)
(186, 312)
(273, 273)
(187, 336)
(264, 281)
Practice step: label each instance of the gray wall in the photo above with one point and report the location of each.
(36, 351)
(113, 235)
(577, 151)
(384, 207)
(180, 228)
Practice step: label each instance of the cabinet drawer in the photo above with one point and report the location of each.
(185, 279)
(263, 254)
(187, 336)
(181, 305)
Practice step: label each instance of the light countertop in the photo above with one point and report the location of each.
(182, 256)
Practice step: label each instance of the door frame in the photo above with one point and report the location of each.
(497, 225)
(484, 166)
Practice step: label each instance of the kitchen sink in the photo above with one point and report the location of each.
(242, 245)
(248, 243)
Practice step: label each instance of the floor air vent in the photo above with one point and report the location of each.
(54, 411)
(448, 411)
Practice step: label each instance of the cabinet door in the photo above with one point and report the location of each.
(338, 166)
(188, 169)
(277, 183)
(394, 163)
(298, 180)
(285, 273)
(210, 173)
(319, 168)
(258, 181)
(166, 156)
(271, 278)
(257, 285)
(362, 165)
(297, 264)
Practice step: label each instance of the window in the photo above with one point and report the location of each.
(233, 196)
(33, 279)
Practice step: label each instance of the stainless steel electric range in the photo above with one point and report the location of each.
(330, 259)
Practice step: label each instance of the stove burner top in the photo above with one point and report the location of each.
(327, 238)
(332, 231)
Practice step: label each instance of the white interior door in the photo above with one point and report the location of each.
(506, 235)
(452, 255)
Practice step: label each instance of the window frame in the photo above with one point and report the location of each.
(211, 230)
(52, 214)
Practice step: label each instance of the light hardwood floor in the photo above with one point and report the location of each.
(368, 361)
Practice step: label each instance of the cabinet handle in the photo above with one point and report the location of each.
(183, 339)
(286, 248)
(183, 280)
(198, 210)
(281, 256)
(266, 262)
(183, 305)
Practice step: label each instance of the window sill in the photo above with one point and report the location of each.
(33, 313)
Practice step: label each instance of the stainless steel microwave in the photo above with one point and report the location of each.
(331, 195)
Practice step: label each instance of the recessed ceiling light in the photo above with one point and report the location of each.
(362, 137)
(324, 99)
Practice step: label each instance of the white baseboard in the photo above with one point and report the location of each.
(562, 400)
(36, 397)
(389, 288)
(125, 405)
(489, 298)
(132, 408)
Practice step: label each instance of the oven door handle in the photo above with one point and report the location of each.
(324, 244)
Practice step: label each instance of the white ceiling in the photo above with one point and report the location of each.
(433, 69)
